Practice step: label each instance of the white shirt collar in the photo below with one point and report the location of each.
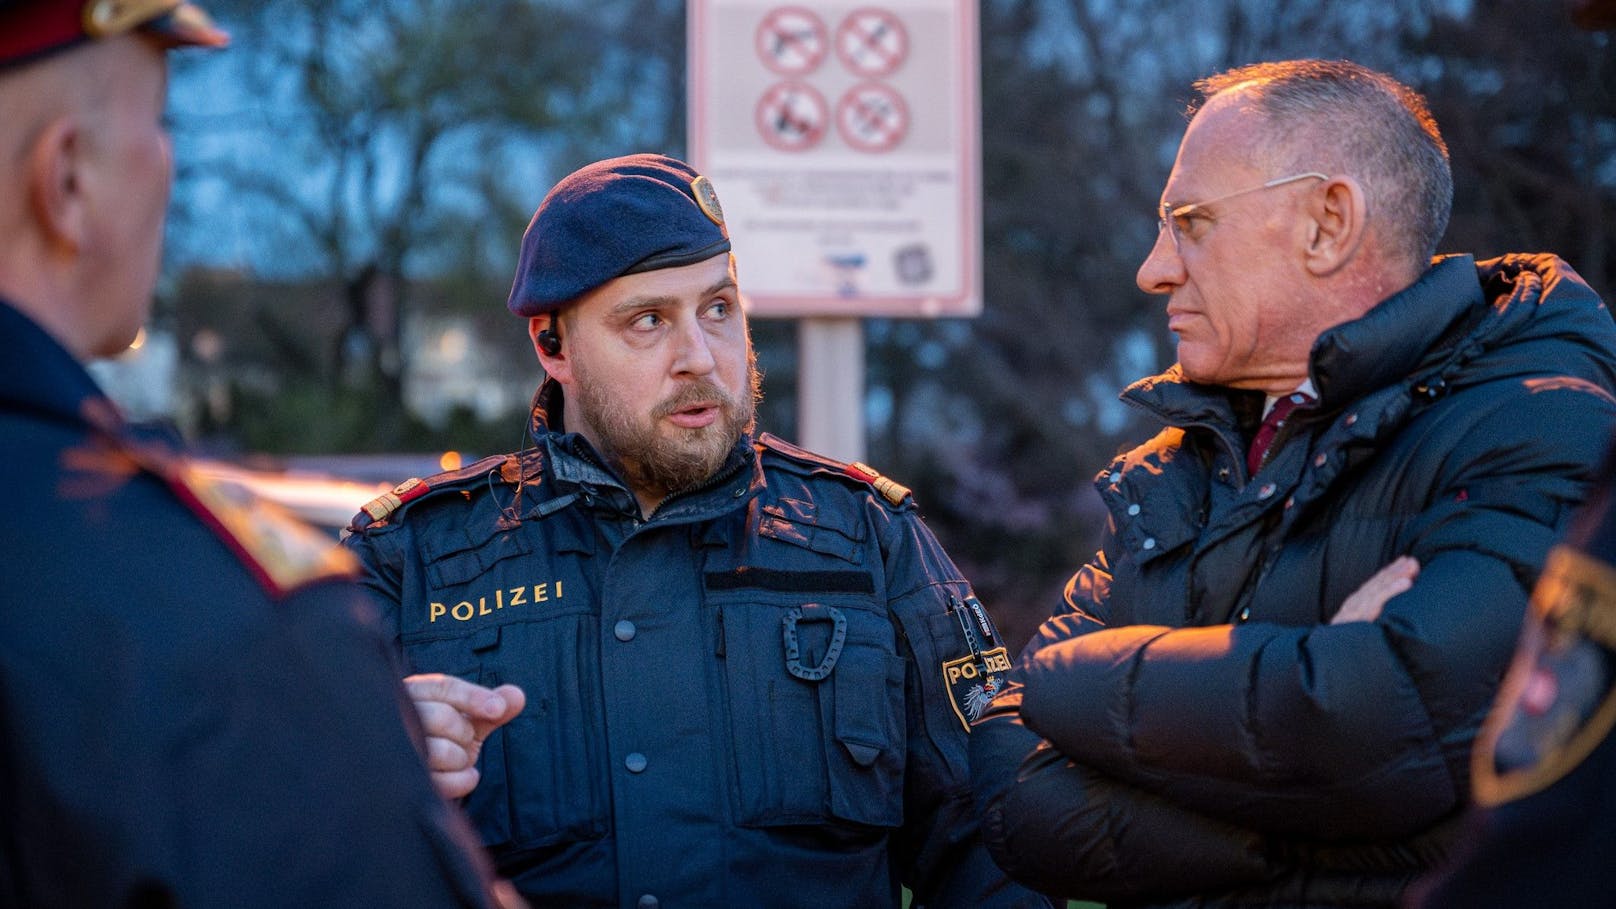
(1305, 388)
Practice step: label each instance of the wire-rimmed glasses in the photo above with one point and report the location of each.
(1171, 215)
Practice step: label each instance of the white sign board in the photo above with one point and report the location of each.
(844, 142)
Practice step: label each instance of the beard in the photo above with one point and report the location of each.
(661, 458)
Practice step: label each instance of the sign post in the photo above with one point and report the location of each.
(844, 141)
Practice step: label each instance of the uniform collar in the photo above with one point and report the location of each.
(38, 373)
(575, 466)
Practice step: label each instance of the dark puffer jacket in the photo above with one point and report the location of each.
(1187, 730)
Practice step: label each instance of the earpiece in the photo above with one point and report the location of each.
(549, 341)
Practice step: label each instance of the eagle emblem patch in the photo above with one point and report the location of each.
(973, 680)
(1558, 701)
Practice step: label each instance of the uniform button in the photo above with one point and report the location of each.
(1266, 491)
(1223, 474)
(1351, 419)
(624, 630)
(1290, 502)
(1116, 477)
(1149, 543)
(740, 491)
(1245, 613)
(1320, 460)
(635, 762)
(1133, 509)
(648, 902)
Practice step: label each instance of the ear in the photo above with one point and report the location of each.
(1338, 222)
(552, 357)
(56, 184)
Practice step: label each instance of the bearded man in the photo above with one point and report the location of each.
(748, 670)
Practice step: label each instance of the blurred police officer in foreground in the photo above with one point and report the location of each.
(1545, 764)
(748, 669)
(195, 707)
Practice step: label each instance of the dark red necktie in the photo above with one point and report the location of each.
(1257, 454)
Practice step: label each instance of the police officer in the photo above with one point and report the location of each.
(192, 712)
(1544, 833)
(749, 670)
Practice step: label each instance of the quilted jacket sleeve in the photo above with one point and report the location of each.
(1075, 832)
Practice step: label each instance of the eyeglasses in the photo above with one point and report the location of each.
(1172, 215)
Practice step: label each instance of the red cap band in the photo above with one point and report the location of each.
(33, 28)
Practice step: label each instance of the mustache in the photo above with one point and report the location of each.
(699, 391)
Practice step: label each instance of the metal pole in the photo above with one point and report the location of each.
(830, 387)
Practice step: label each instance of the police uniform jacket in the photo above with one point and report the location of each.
(756, 697)
(193, 711)
(1186, 731)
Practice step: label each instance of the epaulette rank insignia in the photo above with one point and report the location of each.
(392, 500)
(891, 490)
(281, 551)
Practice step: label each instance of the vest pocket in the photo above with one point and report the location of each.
(542, 778)
(815, 704)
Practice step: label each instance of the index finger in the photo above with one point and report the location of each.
(467, 697)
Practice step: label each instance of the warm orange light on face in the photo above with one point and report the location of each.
(450, 460)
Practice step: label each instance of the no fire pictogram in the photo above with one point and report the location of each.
(872, 117)
(791, 41)
(872, 42)
(792, 116)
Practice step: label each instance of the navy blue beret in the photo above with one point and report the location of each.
(612, 218)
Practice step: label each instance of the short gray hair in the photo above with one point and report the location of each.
(1353, 121)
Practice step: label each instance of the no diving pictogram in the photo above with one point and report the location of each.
(791, 41)
(792, 116)
(872, 42)
(872, 117)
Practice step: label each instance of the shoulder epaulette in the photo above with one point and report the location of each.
(383, 506)
(281, 551)
(890, 490)
(390, 501)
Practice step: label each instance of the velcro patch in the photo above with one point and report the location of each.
(750, 577)
(973, 680)
(1558, 701)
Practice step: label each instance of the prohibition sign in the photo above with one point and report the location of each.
(872, 117)
(792, 116)
(791, 41)
(872, 42)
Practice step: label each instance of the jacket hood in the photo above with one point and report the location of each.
(1463, 312)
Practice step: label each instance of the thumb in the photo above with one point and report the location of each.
(504, 703)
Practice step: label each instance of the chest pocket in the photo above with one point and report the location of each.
(815, 686)
(542, 781)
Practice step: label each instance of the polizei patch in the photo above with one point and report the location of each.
(973, 680)
(1559, 698)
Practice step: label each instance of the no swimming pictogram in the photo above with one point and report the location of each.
(791, 41)
(792, 116)
(872, 42)
(872, 117)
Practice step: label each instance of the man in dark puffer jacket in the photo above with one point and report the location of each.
(1200, 724)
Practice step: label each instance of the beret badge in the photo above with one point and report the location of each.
(707, 199)
(105, 18)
